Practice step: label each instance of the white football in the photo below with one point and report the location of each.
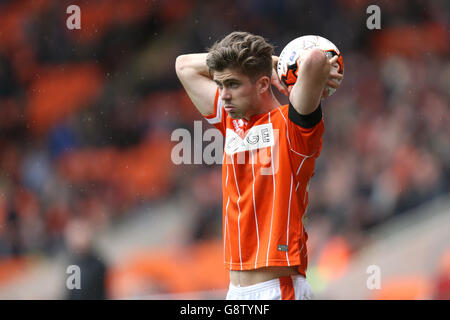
(290, 58)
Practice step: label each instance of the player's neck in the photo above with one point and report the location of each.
(267, 103)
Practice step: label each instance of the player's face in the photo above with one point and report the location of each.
(238, 93)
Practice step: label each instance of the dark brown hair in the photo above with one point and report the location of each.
(245, 52)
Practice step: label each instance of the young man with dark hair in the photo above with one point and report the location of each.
(269, 158)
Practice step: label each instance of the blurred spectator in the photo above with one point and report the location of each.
(79, 237)
(206, 193)
(86, 115)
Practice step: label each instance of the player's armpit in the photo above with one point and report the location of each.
(194, 75)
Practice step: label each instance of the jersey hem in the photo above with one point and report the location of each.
(236, 266)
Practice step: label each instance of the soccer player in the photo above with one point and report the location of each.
(269, 156)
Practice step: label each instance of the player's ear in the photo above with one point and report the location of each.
(263, 84)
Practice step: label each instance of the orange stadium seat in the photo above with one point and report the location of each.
(334, 258)
(136, 171)
(166, 268)
(442, 290)
(407, 287)
(59, 91)
(13, 15)
(409, 41)
(98, 16)
(12, 268)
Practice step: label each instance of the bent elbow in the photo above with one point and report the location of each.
(316, 61)
(179, 63)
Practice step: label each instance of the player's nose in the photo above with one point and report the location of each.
(225, 94)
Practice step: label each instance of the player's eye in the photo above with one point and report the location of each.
(234, 84)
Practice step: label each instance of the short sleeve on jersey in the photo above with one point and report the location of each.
(305, 121)
(305, 131)
(217, 119)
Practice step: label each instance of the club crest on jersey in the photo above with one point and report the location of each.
(261, 136)
(238, 126)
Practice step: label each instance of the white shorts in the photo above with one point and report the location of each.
(294, 287)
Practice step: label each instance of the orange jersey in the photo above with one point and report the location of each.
(267, 164)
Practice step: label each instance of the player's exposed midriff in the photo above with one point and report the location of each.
(249, 277)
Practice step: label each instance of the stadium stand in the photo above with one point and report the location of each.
(86, 118)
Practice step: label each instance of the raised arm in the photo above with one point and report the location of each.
(194, 76)
(314, 74)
